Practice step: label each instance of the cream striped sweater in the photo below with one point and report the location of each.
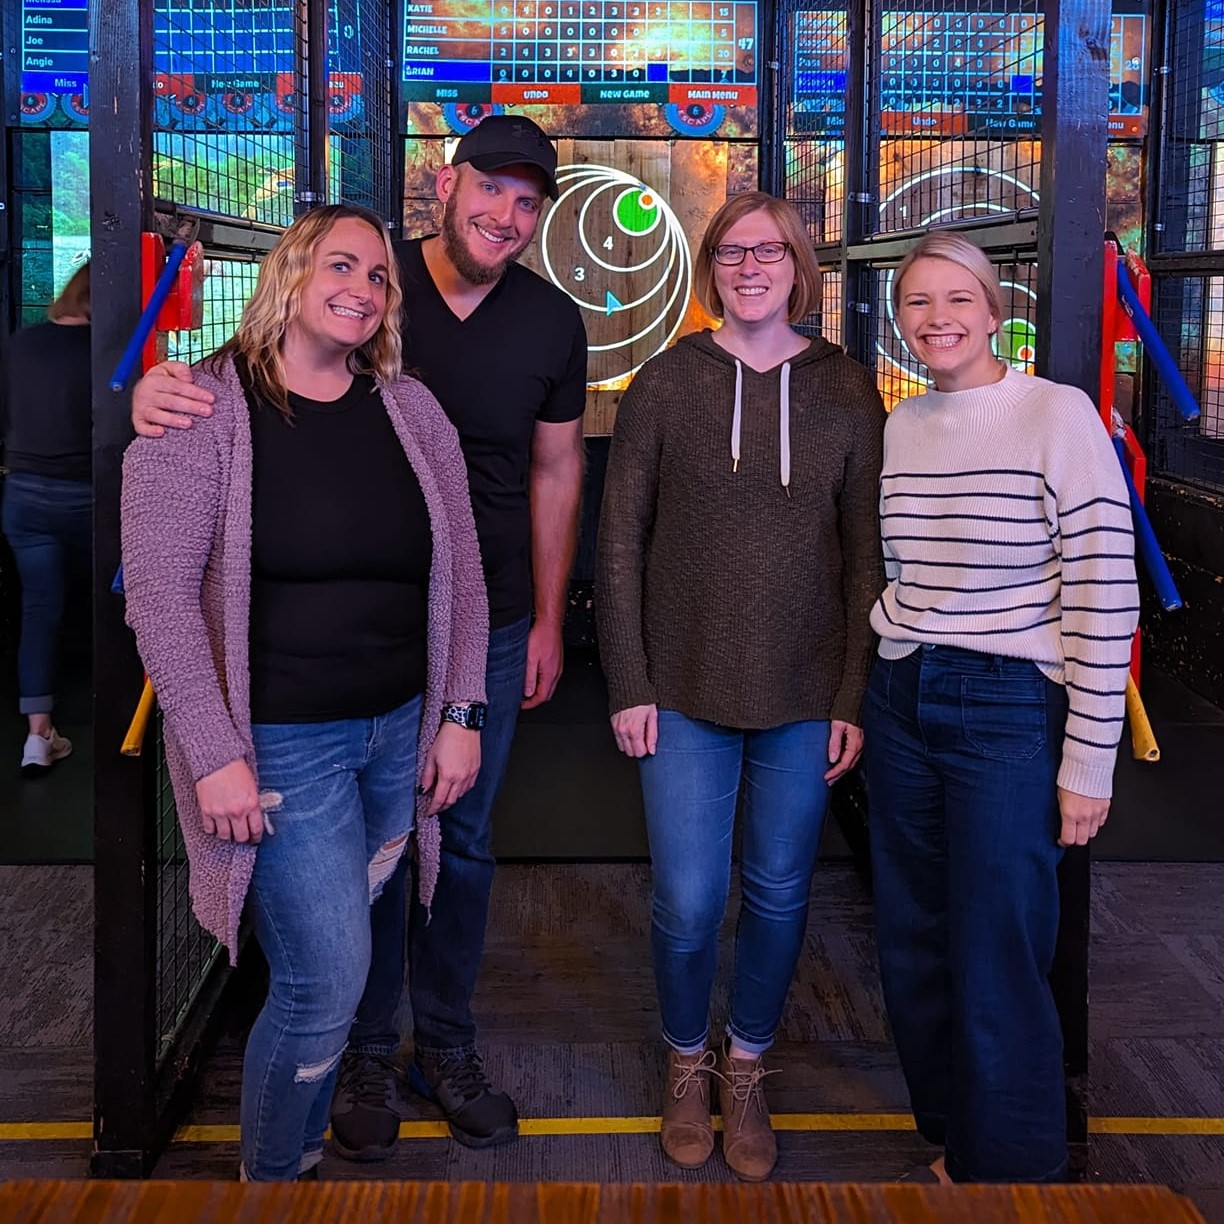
(1007, 529)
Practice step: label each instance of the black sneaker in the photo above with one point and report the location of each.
(365, 1116)
(478, 1116)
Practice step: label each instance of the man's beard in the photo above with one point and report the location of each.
(471, 269)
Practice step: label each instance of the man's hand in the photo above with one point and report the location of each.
(166, 398)
(845, 748)
(545, 658)
(637, 730)
(229, 804)
(451, 766)
(1082, 817)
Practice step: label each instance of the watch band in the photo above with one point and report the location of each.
(471, 715)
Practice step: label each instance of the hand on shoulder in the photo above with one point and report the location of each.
(168, 398)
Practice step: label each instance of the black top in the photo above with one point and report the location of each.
(340, 555)
(45, 413)
(518, 358)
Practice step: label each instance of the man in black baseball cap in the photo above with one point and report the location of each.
(508, 140)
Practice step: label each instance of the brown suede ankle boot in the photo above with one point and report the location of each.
(749, 1146)
(686, 1134)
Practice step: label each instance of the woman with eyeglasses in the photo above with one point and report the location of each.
(739, 557)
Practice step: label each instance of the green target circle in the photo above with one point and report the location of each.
(637, 211)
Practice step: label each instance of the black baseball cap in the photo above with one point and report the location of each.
(509, 140)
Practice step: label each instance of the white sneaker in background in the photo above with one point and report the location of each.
(41, 752)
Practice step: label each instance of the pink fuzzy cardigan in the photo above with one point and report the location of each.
(186, 519)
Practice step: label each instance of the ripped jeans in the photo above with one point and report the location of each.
(347, 792)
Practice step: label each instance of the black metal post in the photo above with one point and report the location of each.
(124, 905)
(861, 203)
(10, 74)
(775, 59)
(311, 80)
(1070, 283)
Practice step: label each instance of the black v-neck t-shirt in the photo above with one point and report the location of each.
(518, 358)
(340, 554)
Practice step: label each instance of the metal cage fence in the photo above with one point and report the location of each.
(1189, 312)
(360, 105)
(228, 284)
(815, 82)
(185, 952)
(224, 107)
(1190, 200)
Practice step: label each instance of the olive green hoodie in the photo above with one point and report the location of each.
(739, 542)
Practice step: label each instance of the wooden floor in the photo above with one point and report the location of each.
(570, 1028)
(185, 1202)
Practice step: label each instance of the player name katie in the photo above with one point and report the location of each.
(418, 8)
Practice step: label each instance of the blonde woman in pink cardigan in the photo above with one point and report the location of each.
(304, 582)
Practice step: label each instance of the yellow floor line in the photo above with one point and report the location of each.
(48, 1132)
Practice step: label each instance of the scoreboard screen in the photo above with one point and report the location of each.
(691, 60)
(958, 73)
(227, 65)
(54, 46)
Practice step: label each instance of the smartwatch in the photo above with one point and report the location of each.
(472, 715)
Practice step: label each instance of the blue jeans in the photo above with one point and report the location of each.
(690, 789)
(962, 755)
(445, 952)
(348, 789)
(49, 525)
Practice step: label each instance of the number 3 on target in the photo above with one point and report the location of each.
(580, 274)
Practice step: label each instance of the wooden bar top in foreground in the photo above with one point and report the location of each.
(370, 1202)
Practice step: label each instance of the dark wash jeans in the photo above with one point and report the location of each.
(49, 525)
(962, 755)
(444, 954)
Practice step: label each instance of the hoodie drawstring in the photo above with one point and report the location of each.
(784, 428)
(784, 439)
(736, 416)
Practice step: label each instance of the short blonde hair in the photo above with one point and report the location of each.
(276, 302)
(806, 294)
(944, 244)
(73, 301)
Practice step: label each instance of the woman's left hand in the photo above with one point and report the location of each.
(451, 766)
(845, 748)
(1082, 817)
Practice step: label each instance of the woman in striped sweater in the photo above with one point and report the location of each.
(993, 714)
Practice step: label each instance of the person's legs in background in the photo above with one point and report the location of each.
(48, 525)
(785, 799)
(445, 959)
(690, 788)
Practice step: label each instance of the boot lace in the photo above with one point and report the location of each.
(746, 1088)
(691, 1075)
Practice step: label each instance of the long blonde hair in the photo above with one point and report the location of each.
(276, 302)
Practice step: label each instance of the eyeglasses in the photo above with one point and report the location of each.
(764, 252)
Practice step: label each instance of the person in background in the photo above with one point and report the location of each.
(504, 351)
(739, 556)
(303, 578)
(993, 714)
(46, 420)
